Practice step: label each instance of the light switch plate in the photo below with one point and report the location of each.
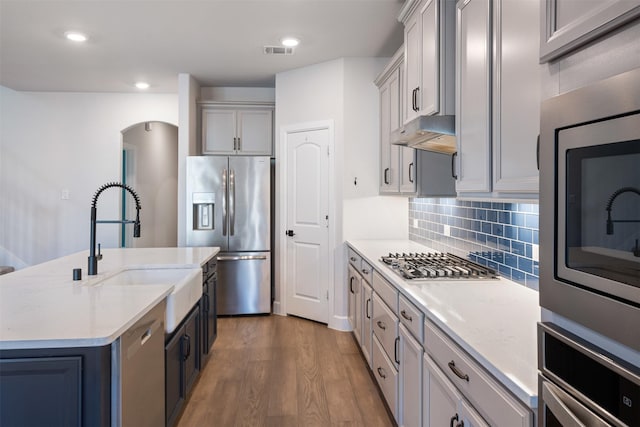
(535, 254)
(447, 230)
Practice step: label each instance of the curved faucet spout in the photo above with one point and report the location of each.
(610, 206)
(93, 258)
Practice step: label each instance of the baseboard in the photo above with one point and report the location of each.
(339, 323)
(277, 308)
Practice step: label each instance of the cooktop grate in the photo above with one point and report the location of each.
(436, 265)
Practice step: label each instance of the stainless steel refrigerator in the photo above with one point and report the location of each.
(229, 205)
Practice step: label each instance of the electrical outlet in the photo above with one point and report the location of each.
(65, 194)
(536, 253)
(415, 222)
(447, 230)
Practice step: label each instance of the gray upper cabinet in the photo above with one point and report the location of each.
(389, 83)
(406, 171)
(237, 131)
(429, 34)
(568, 24)
(497, 98)
(516, 97)
(473, 93)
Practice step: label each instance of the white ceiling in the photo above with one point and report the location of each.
(220, 43)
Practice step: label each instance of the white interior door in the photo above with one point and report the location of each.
(307, 224)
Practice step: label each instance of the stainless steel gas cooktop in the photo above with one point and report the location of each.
(436, 265)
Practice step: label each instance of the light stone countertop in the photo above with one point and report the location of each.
(42, 307)
(494, 321)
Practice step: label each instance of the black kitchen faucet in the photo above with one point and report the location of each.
(93, 258)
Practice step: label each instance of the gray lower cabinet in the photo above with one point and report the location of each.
(55, 387)
(182, 364)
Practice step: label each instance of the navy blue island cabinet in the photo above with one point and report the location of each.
(55, 387)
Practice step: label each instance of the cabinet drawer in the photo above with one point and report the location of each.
(385, 328)
(387, 377)
(387, 292)
(367, 271)
(411, 318)
(483, 391)
(354, 259)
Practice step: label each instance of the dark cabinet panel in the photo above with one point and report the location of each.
(55, 387)
(41, 391)
(209, 310)
(182, 363)
(191, 349)
(174, 392)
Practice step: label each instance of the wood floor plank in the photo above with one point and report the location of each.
(283, 395)
(277, 371)
(254, 397)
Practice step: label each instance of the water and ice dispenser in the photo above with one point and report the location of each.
(203, 211)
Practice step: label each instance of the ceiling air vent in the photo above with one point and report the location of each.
(278, 50)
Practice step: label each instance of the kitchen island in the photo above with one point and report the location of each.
(62, 340)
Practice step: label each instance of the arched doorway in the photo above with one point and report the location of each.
(150, 167)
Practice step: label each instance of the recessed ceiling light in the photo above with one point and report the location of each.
(290, 42)
(75, 36)
(142, 85)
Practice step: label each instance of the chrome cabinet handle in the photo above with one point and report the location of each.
(381, 325)
(386, 176)
(410, 174)
(406, 316)
(353, 259)
(366, 308)
(381, 373)
(365, 271)
(351, 284)
(455, 418)
(458, 372)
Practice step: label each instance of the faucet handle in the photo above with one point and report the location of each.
(99, 256)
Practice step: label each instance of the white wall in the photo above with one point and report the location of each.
(188, 94)
(341, 91)
(51, 142)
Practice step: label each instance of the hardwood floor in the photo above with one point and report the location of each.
(276, 371)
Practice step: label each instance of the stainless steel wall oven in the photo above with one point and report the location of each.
(581, 384)
(590, 207)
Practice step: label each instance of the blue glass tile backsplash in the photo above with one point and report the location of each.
(503, 236)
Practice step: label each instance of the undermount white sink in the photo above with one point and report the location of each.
(187, 288)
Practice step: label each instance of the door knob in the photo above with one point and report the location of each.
(290, 233)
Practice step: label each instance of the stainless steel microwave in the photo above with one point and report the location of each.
(590, 207)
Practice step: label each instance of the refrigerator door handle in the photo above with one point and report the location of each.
(242, 258)
(224, 202)
(232, 202)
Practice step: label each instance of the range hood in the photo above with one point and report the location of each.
(430, 133)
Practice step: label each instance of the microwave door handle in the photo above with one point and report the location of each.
(553, 398)
(232, 202)
(224, 202)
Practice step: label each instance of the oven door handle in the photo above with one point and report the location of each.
(568, 410)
